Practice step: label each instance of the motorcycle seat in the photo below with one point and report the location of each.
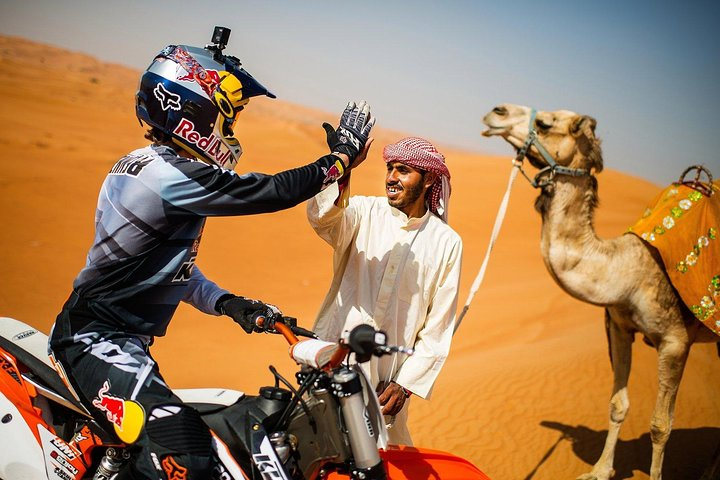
(208, 400)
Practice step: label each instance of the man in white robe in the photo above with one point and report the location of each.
(396, 267)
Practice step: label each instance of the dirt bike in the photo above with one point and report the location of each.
(329, 426)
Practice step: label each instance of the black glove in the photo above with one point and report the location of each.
(245, 311)
(353, 131)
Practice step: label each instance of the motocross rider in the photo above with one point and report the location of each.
(148, 224)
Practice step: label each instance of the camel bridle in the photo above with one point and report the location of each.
(545, 176)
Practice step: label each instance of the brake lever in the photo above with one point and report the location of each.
(268, 325)
(303, 332)
(265, 324)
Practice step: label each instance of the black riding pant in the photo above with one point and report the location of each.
(120, 384)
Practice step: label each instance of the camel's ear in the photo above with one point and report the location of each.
(583, 129)
(582, 123)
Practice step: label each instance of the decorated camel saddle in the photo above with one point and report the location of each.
(683, 224)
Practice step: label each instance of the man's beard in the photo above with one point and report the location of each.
(409, 197)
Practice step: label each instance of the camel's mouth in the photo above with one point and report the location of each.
(505, 131)
(492, 131)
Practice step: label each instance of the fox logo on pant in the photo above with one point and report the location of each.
(173, 470)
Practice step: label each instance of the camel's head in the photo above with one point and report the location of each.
(568, 137)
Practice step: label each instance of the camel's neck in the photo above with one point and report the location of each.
(579, 261)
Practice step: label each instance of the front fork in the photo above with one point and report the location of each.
(368, 464)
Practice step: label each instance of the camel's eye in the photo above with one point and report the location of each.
(542, 125)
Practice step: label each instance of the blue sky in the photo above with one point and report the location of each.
(648, 71)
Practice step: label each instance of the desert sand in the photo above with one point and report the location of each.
(524, 394)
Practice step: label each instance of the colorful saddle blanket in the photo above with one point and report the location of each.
(684, 225)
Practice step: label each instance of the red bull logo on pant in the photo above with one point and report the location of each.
(114, 407)
(127, 416)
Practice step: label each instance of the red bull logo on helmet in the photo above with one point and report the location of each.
(206, 78)
(210, 145)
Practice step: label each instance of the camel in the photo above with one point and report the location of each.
(621, 274)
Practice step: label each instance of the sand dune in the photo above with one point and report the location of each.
(524, 394)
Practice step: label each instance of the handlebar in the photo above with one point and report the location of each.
(285, 326)
(363, 340)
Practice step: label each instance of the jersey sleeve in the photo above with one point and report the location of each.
(202, 293)
(204, 190)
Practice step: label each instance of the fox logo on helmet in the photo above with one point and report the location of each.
(168, 100)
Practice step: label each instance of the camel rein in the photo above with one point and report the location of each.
(552, 168)
(493, 236)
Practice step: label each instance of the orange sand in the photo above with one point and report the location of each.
(524, 394)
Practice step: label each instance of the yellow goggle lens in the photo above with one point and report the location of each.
(228, 94)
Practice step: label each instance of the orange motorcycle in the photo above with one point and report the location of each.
(329, 426)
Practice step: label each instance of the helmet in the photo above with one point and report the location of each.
(194, 95)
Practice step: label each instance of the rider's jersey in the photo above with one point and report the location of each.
(148, 224)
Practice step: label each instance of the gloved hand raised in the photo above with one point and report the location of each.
(245, 311)
(353, 132)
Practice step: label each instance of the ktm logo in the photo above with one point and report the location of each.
(185, 272)
(173, 470)
(268, 468)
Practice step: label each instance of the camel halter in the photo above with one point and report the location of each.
(552, 169)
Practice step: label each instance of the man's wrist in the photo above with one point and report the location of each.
(405, 391)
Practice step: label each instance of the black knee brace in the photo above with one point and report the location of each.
(180, 443)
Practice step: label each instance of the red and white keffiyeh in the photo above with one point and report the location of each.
(421, 154)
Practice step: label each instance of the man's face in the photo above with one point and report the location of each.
(404, 188)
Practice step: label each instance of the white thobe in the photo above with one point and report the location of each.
(397, 274)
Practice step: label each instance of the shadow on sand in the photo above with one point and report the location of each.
(687, 454)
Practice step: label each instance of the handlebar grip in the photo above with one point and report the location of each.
(287, 333)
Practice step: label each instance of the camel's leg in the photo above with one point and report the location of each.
(672, 355)
(621, 358)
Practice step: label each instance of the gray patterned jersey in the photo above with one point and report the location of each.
(150, 216)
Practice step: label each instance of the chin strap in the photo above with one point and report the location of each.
(546, 175)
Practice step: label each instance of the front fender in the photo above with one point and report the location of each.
(413, 463)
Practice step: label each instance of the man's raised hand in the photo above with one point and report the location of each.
(353, 132)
